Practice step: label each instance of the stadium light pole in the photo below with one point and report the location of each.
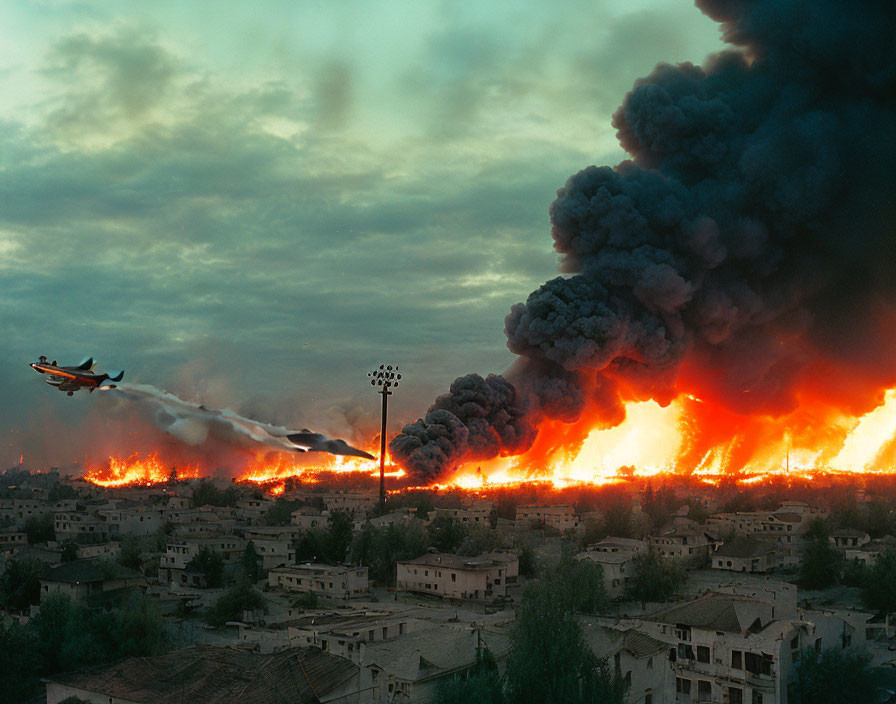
(386, 378)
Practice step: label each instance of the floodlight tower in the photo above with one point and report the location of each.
(386, 377)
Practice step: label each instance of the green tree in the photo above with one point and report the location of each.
(20, 583)
(280, 514)
(69, 551)
(139, 631)
(207, 494)
(654, 577)
(834, 677)
(446, 534)
(528, 562)
(579, 584)
(20, 662)
(880, 582)
(233, 603)
(210, 564)
(549, 659)
(131, 549)
(380, 548)
(478, 541)
(40, 529)
(821, 564)
(249, 564)
(480, 685)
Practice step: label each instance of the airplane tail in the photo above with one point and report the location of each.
(114, 376)
(86, 364)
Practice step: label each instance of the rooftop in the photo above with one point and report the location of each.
(717, 612)
(214, 675)
(744, 547)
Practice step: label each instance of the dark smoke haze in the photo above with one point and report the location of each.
(745, 254)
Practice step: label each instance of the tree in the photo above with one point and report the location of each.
(249, 564)
(446, 534)
(207, 494)
(380, 548)
(481, 684)
(834, 677)
(20, 583)
(40, 529)
(280, 514)
(478, 541)
(880, 582)
(579, 585)
(654, 578)
(210, 564)
(69, 551)
(233, 603)
(549, 659)
(528, 562)
(821, 564)
(139, 629)
(20, 661)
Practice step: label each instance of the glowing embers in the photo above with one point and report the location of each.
(138, 471)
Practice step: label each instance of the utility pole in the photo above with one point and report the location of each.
(386, 377)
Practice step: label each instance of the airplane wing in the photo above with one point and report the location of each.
(85, 365)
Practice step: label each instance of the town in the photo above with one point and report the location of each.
(649, 592)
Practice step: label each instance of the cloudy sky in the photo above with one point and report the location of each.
(251, 204)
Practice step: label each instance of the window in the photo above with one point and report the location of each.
(736, 660)
(682, 686)
(453, 576)
(735, 695)
(704, 691)
(795, 642)
(702, 653)
(757, 697)
(648, 698)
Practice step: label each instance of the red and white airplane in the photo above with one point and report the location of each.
(70, 379)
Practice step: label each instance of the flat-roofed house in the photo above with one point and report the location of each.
(335, 581)
(456, 577)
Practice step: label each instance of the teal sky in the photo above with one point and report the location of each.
(251, 204)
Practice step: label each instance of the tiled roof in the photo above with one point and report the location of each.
(455, 562)
(715, 612)
(90, 570)
(744, 547)
(214, 675)
(434, 651)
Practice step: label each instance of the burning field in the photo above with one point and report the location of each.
(726, 304)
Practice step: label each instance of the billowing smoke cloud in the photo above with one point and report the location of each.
(194, 424)
(745, 254)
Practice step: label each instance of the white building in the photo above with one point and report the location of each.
(454, 577)
(334, 581)
(745, 554)
(559, 517)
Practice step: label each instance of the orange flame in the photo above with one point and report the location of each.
(686, 437)
(138, 471)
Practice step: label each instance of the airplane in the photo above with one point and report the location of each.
(70, 379)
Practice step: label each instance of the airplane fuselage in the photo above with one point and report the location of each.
(71, 379)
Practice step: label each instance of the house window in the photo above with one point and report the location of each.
(757, 697)
(453, 576)
(737, 660)
(702, 653)
(704, 691)
(735, 695)
(682, 685)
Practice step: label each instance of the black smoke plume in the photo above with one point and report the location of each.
(745, 254)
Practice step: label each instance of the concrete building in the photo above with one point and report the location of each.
(178, 555)
(690, 548)
(559, 517)
(343, 634)
(132, 520)
(82, 579)
(334, 581)
(616, 567)
(469, 517)
(454, 577)
(309, 518)
(726, 648)
(746, 554)
(11, 541)
(641, 660)
(844, 538)
(410, 668)
(354, 502)
(79, 525)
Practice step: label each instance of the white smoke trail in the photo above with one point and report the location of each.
(193, 423)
